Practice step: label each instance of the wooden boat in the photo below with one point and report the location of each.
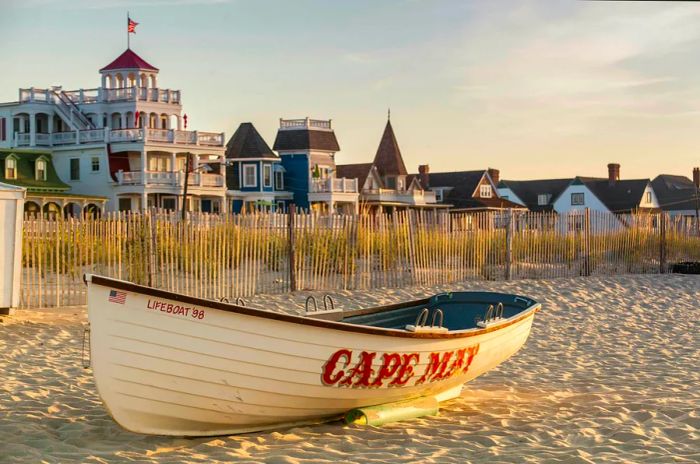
(170, 364)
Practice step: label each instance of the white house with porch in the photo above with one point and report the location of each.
(126, 140)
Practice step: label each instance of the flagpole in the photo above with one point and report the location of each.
(128, 39)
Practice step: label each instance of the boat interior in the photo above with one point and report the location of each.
(440, 313)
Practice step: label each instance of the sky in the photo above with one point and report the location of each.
(535, 88)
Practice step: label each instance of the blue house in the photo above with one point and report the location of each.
(255, 177)
(307, 148)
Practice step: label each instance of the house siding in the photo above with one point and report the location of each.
(297, 178)
(563, 203)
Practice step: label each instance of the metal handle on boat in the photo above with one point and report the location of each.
(499, 311)
(86, 343)
(438, 312)
(422, 318)
(489, 314)
(326, 299)
(446, 294)
(311, 298)
(223, 300)
(240, 301)
(524, 300)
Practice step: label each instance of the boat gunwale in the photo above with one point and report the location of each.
(310, 321)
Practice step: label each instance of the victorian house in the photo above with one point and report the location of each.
(307, 148)
(254, 175)
(46, 193)
(385, 184)
(126, 140)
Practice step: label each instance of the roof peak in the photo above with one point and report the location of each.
(247, 142)
(129, 59)
(388, 159)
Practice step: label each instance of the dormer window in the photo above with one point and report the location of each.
(543, 199)
(438, 195)
(40, 171)
(648, 197)
(399, 183)
(485, 191)
(10, 168)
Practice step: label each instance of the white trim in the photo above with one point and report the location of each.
(14, 162)
(582, 196)
(255, 175)
(281, 185)
(41, 159)
(266, 167)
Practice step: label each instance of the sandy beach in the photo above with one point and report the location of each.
(609, 374)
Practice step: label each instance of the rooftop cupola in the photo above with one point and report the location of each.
(129, 70)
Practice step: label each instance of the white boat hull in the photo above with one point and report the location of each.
(191, 370)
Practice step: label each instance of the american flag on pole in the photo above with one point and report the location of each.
(116, 296)
(131, 25)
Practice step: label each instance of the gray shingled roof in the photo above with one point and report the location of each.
(388, 159)
(529, 190)
(306, 139)
(463, 184)
(675, 193)
(358, 171)
(246, 142)
(619, 197)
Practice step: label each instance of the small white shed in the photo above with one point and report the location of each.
(11, 215)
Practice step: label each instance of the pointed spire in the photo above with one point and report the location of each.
(388, 159)
(247, 142)
(388, 114)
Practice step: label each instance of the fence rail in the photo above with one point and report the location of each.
(213, 256)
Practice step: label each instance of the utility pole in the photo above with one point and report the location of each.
(184, 193)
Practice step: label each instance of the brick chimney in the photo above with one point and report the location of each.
(423, 175)
(495, 175)
(613, 173)
(696, 177)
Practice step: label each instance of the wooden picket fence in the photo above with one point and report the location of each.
(229, 256)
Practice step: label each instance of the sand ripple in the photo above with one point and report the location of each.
(609, 374)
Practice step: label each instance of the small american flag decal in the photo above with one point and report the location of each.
(117, 297)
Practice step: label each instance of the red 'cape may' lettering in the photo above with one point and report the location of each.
(396, 369)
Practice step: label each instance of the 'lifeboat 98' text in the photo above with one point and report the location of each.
(175, 309)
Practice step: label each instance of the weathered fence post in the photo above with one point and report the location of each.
(662, 243)
(509, 244)
(587, 243)
(151, 245)
(292, 264)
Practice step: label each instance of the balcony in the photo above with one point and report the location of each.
(415, 197)
(169, 179)
(333, 185)
(209, 139)
(306, 123)
(103, 95)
